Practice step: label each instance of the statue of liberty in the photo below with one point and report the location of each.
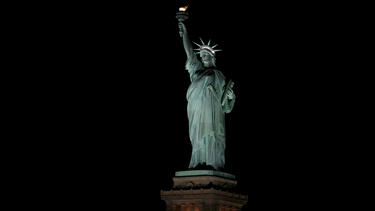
(209, 98)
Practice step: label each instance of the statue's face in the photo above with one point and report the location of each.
(206, 58)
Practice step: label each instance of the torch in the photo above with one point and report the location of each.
(182, 15)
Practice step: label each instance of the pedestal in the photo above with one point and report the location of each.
(203, 190)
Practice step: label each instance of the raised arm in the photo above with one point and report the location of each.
(186, 41)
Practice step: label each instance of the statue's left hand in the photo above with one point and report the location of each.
(230, 94)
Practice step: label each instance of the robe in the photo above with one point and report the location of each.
(206, 114)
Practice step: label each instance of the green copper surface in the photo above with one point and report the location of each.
(209, 98)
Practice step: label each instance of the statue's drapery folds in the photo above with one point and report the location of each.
(206, 114)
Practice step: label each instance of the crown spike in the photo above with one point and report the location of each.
(202, 41)
(214, 46)
(197, 44)
(209, 41)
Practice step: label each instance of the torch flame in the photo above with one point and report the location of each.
(183, 9)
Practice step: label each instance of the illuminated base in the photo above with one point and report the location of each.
(204, 173)
(203, 190)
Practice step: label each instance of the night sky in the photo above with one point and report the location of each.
(119, 113)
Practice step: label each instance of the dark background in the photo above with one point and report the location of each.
(115, 120)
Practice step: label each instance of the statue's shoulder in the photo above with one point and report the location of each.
(219, 74)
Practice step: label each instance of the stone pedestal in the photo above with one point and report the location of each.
(203, 190)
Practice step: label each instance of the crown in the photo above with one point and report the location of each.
(205, 47)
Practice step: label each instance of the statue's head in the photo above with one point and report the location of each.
(207, 58)
(207, 53)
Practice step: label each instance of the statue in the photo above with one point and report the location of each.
(209, 98)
